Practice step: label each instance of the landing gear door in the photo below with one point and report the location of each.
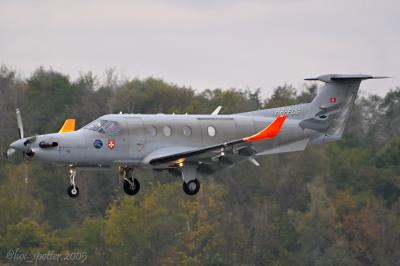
(136, 138)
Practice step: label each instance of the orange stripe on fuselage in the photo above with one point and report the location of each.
(270, 131)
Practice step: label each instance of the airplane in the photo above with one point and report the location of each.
(191, 145)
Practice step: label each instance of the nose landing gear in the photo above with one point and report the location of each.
(73, 190)
(130, 184)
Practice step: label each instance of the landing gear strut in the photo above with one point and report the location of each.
(131, 184)
(191, 184)
(73, 190)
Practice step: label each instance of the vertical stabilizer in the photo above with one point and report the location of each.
(332, 106)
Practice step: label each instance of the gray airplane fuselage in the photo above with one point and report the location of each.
(142, 135)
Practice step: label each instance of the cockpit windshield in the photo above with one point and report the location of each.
(104, 126)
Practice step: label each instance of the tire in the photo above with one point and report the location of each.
(129, 189)
(192, 187)
(71, 192)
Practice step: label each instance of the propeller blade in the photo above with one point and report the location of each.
(19, 123)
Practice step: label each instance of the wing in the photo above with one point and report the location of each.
(216, 153)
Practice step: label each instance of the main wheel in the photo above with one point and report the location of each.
(131, 186)
(191, 187)
(72, 191)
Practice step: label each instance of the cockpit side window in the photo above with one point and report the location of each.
(110, 128)
(95, 125)
(104, 127)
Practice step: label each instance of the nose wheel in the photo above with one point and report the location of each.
(73, 190)
(130, 184)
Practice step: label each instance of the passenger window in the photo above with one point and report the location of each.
(167, 131)
(211, 131)
(151, 130)
(187, 131)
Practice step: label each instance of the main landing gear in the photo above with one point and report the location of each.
(192, 187)
(130, 184)
(191, 184)
(73, 190)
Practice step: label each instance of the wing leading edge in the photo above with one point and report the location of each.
(269, 132)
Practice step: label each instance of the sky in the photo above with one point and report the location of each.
(208, 43)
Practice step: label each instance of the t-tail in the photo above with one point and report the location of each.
(328, 112)
(330, 109)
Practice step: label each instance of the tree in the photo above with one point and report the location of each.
(317, 231)
(282, 96)
(17, 200)
(56, 97)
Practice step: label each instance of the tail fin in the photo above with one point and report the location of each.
(331, 108)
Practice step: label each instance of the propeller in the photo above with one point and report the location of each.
(26, 141)
(29, 152)
(23, 144)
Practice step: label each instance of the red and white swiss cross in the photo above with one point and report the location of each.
(332, 99)
(111, 144)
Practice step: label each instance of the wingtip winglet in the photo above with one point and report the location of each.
(270, 131)
(69, 126)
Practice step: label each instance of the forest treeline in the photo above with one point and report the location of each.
(335, 204)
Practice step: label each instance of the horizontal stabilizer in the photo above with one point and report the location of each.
(340, 77)
(69, 126)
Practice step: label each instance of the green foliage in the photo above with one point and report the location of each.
(49, 92)
(336, 204)
(27, 235)
(152, 96)
(17, 200)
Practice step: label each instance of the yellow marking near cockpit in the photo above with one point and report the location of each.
(69, 126)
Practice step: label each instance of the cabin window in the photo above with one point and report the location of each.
(167, 131)
(151, 130)
(211, 131)
(187, 131)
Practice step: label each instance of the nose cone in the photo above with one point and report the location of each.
(18, 145)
